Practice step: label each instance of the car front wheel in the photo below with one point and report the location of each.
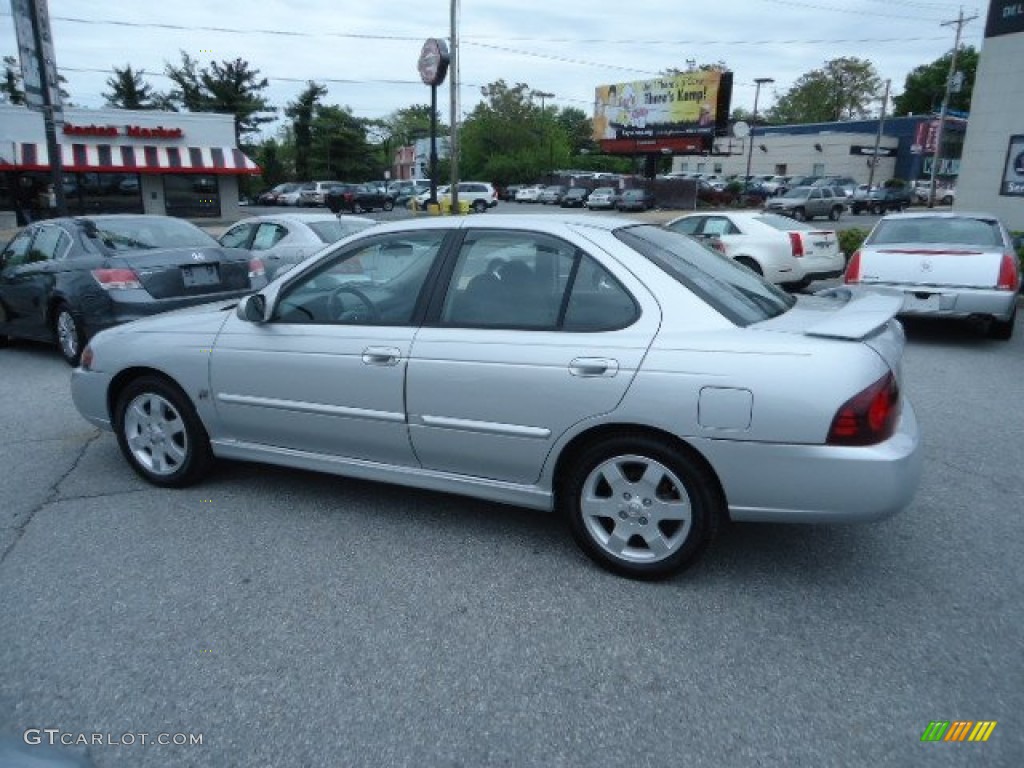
(388, 205)
(160, 433)
(640, 508)
(799, 214)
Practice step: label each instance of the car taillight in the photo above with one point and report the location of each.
(797, 244)
(868, 417)
(1009, 276)
(116, 279)
(256, 268)
(853, 269)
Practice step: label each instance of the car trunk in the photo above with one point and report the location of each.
(838, 314)
(931, 265)
(821, 244)
(174, 272)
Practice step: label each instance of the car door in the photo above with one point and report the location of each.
(532, 336)
(14, 299)
(27, 282)
(326, 373)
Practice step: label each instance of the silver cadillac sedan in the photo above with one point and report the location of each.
(643, 386)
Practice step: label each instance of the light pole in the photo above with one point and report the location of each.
(750, 147)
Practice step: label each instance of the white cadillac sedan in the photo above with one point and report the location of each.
(783, 250)
(947, 265)
(645, 387)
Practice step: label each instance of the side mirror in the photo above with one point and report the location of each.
(252, 308)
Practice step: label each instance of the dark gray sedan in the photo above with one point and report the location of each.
(66, 279)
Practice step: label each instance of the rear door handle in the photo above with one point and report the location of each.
(382, 355)
(591, 367)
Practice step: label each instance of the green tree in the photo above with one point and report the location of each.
(301, 111)
(406, 125)
(269, 157)
(507, 138)
(340, 150)
(129, 90)
(230, 87)
(925, 85)
(843, 89)
(578, 129)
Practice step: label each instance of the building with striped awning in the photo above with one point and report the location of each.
(123, 161)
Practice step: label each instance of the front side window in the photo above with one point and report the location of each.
(371, 283)
(267, 236)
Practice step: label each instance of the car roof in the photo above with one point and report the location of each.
(943, 215)
(551, 223)
(304, 218)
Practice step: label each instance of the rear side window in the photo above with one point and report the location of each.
(731, 289)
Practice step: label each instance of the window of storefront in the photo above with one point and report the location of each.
(192, 195)
(87, 193)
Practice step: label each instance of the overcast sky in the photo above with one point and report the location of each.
(366, 52)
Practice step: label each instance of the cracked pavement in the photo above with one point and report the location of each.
(296, 619)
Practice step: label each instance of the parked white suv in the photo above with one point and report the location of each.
(314, 193)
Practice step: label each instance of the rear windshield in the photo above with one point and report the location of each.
(733, 290)
(145, 233)
(332, 231)
(939, 231)
(782, 223)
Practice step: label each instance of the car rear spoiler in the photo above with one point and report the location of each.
(864, 314)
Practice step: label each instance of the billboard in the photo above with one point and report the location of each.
(689, 104)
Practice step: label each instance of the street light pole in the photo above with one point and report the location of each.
(544, 95)
(750, 147)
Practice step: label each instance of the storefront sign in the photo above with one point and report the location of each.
(1013, 174)
(924, 137)
(35, 50)
(132, 131)
(857, 149)
(1005, 17)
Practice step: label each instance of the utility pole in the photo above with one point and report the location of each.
(759, 81)
(878, 137)
(453, 144)
(959, 21)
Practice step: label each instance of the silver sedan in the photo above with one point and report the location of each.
(282, 240)
(947, 265)
(642, 385)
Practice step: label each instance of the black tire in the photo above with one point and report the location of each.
(389, 205)
(800, 214)
(621, 541)
(479, 206)
(69, 334)
(1002, 330)
(357, 208)
(835, 213)
(160, 434)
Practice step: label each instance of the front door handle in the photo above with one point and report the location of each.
(590, 367)
(382, 355)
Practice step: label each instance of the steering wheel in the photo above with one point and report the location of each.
(336, 309)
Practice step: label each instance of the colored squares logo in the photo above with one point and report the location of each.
(958, 730)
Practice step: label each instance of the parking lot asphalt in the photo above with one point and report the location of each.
(295, 619)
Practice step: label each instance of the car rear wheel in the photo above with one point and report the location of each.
(388, 205)
(1002, 330)
(835, 213)
(160, 433)
(640, 508)
(70, 337)
(750, 264)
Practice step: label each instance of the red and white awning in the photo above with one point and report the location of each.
(116, 158)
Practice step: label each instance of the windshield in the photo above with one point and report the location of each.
(945, 230)
(148, 232)
(733, 290)
(798, 192)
